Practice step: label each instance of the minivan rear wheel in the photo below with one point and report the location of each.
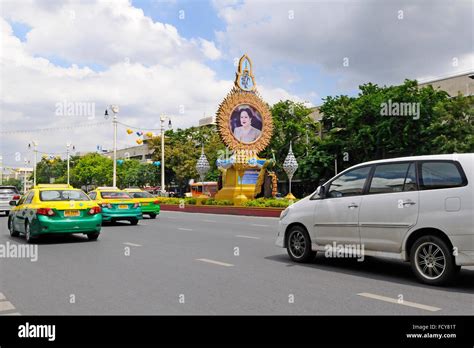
(298, 245)
(432, 261)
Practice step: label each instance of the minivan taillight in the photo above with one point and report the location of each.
(94, 210)
(45, 211)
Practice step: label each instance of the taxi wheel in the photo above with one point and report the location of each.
(13, 233)
(93, 236)
(152, 216)
(134, 221)
(28, 237)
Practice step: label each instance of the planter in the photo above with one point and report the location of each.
(229, 210)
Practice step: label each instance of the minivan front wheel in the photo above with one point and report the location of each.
(298, 245)
(432, 261)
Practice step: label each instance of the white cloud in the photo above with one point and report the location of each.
(380, 46)
(171, 79)
(209, 49)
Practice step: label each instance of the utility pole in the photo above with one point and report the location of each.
(163, 118)
(35, 150)
(68, 145)
(115, 109)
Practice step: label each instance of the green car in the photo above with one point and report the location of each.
(54, 209)
(116, 205)
(150, 205)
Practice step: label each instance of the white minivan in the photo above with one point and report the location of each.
(417, 209)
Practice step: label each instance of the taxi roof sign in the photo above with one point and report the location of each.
(44, 186)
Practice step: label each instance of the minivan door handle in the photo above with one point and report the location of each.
(408, 203)
(352, 205)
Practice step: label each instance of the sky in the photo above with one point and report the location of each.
(64, 62)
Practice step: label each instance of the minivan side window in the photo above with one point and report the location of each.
(349, 184)
(92, 195)
(442, 174)
(389, 178)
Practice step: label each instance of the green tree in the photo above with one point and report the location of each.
(92, 169)
(13, 182)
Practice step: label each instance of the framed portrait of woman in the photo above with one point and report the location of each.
(246, 124)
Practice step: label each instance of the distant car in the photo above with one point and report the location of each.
(149, 203)
(117, 205)
(418, 209)
(54, 209)
(7, 194)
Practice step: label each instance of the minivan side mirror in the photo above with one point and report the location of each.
(320, 191)
(13, 203)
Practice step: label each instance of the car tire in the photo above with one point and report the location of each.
(152, 216)
(298, 245)
(29, 238)
(134, 221)
(93, 236)
(13, 233)
(432, 261)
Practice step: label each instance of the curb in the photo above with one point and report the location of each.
(229, 210)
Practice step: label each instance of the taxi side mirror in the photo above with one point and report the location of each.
(13, 203)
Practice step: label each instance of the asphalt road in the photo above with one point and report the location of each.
(184, 263)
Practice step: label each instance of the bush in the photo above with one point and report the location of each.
(268, 202)
(212, 201)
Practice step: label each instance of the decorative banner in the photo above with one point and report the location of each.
(157, 163)
(120, 161)
(149, 134)
(243, 119)
(129, 131)
(139, 141)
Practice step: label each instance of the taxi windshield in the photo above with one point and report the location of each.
(63, 195)
(114, 194)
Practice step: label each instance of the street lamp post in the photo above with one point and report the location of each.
(163, 118)
(68, 145)
(35, 145)
(25, 176)
(115, 109)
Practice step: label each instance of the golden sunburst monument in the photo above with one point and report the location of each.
(245, 125)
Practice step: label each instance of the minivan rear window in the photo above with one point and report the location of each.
(436, 175)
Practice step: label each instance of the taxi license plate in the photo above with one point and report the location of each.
(71, 213)
(123, 206)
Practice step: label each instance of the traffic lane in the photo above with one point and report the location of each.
(389, 277)
(395, 280)
(214, 289)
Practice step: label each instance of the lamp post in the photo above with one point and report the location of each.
(1, 170)
(163, 119)
(290, 166)
(35, 145)
(115, 109)
(68, 145)
(24, 176)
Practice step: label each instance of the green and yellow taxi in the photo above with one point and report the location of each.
(149, 203)
(54, 208)
(116, 205)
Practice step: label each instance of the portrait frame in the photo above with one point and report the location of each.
(235, 98)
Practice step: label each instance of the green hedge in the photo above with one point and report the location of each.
(259, 202)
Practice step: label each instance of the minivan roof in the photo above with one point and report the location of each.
(453, 157)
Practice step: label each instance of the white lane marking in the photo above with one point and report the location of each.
(6, 306)
(12, 314)
(2, 296)
(243, 236)
(216, 262)
(184, 229)
(260, 225)
(209, 220)
(132, 244)
(403, 303)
